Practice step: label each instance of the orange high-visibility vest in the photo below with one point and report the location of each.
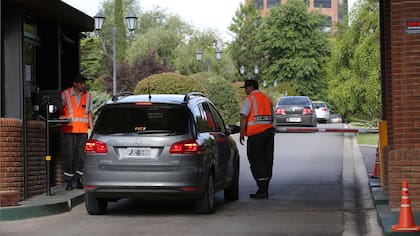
(260, 117)
(78, 113)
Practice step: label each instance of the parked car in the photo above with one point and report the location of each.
(160, 146)
(322, 111)
(295, 111)
(336, 118)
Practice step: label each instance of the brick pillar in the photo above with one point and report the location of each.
(400, 72)
(12, 160)
(11, 165)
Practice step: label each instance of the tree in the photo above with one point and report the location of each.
(115, 12)
(129, 74)
(294, 46)
(243, 48)
(353, 70)
(222, 93)
(207, 41)
(119, 23)
(92, 60)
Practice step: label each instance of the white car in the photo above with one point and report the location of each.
(322, 111)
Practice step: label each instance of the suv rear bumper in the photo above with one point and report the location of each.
(185, 183)
(142, 192)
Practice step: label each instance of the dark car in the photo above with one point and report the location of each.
(295, 111)
(160, 146)
(337, 118)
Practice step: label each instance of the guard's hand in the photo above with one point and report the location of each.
(62, 117)
(242, 139)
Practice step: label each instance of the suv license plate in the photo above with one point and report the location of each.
(144, 153)
(294, 119)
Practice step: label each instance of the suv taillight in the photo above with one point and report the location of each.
(95, 146)
(280, 111)
(306, 111)
(186, 146)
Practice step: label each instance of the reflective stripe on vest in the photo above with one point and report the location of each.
(78, 113)
(260, 117)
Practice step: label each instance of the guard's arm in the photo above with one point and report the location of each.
(243, 122)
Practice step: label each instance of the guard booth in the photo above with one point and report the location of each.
(40, 54)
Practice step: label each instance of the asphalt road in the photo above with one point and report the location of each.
(319, 187)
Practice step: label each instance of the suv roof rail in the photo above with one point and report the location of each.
(188, 95)
(120, 95)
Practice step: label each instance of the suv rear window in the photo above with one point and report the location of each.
(294, 101)
(130, 118)
(319, 104)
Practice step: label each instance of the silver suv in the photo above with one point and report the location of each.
(160, 146)
(322, 111)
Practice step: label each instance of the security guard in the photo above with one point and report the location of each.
(256, 123)
(77, 106)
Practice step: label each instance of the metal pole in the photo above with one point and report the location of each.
(48, 156)
(208, 64)
(114, 61)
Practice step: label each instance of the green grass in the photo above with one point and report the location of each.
(367, 138)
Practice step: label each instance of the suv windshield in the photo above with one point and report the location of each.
(294, 101)
(131, 118)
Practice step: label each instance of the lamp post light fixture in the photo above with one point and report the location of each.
(198, 55)
(242, 70)
(131, 23)
(218, 54)
(256, 72)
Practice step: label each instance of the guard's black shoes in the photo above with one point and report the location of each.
(69, 187)
(79, 186)
(259, 195)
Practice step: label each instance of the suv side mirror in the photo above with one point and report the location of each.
(233, 129)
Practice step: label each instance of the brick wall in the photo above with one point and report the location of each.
(403, 165)
(333, 11)
(12, 158)
(400, 71)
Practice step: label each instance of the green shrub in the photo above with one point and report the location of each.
(99, 99)
(223, 95)
(169, 83)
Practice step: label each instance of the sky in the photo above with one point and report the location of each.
(203, 14)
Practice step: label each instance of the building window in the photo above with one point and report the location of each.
(322, 3)
(259, 4)
(327, 26)
(271, 3)
(30, 43)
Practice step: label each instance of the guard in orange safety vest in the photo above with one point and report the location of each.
(77, 106)
(256, 123)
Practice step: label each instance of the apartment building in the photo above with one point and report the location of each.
(336, 10)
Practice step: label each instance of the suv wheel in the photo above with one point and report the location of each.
(232, 192)
(95, 206)
(205, 204)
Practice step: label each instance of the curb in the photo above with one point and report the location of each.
(42, 206)
(386, 216)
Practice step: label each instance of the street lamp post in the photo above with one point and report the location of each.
(218, 54)
(131, 23)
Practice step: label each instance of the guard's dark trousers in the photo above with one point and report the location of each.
(73, 153)
(260, 151)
